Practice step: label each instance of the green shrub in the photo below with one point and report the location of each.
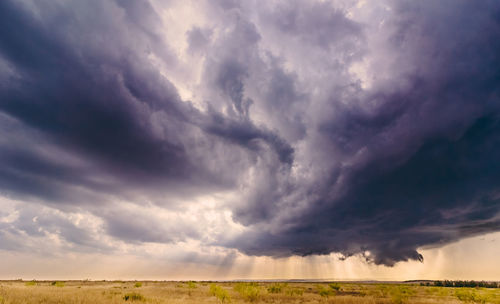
(334, 286)
(133, 296)
(248, 291)
(191, 285)
(220, 293)
(276, 288)
(30, 283)
(213, 289)
(137, 284)
(325, 292)
(57, 284)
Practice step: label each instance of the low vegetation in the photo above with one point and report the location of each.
(276, 287)
(220, 293)
(134, 296)
(248, 291)
(189, 292)
(447, 283)
(57, 284)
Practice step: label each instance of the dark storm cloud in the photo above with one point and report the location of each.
(86, 117)
(427, 171)
(246, 134)
(34, 169)
(317, 162)
(81, 98)
(97, 101)
(445, 191)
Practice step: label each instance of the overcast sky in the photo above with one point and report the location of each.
(221, 139)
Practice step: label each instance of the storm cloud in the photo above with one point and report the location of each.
(357, 128)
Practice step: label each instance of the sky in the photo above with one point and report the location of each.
(226, 139)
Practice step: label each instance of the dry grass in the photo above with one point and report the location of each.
(73, 292)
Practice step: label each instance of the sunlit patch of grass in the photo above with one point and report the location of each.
(58, 283)
(294, 292)
(220, 293)
(478, 295)
(30, 283)
(466, 295)
(437, 291)
(382, 290)
(401, 294)
(248, 291)
(325, 292)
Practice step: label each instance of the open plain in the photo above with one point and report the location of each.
(73, 292)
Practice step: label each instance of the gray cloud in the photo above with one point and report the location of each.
(318, 159)
(400, 155)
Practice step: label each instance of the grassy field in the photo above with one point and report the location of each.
(233, 292)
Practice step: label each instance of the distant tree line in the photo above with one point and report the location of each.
(448, 283)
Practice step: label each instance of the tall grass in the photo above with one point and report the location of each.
(276, 287)
(248, 291)
(220, 293)
(134, 296)
(81, 292)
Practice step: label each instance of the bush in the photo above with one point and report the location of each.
(334, 286)
(133, 296)
(57, 284)
(30, 283)
(191, 285)
(325, 292)
(138, 284)
(248, 291)
(276, 288)
(220, 293)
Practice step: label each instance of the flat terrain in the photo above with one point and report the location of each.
(233, 292)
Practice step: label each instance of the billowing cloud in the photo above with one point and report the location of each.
(279, 128)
